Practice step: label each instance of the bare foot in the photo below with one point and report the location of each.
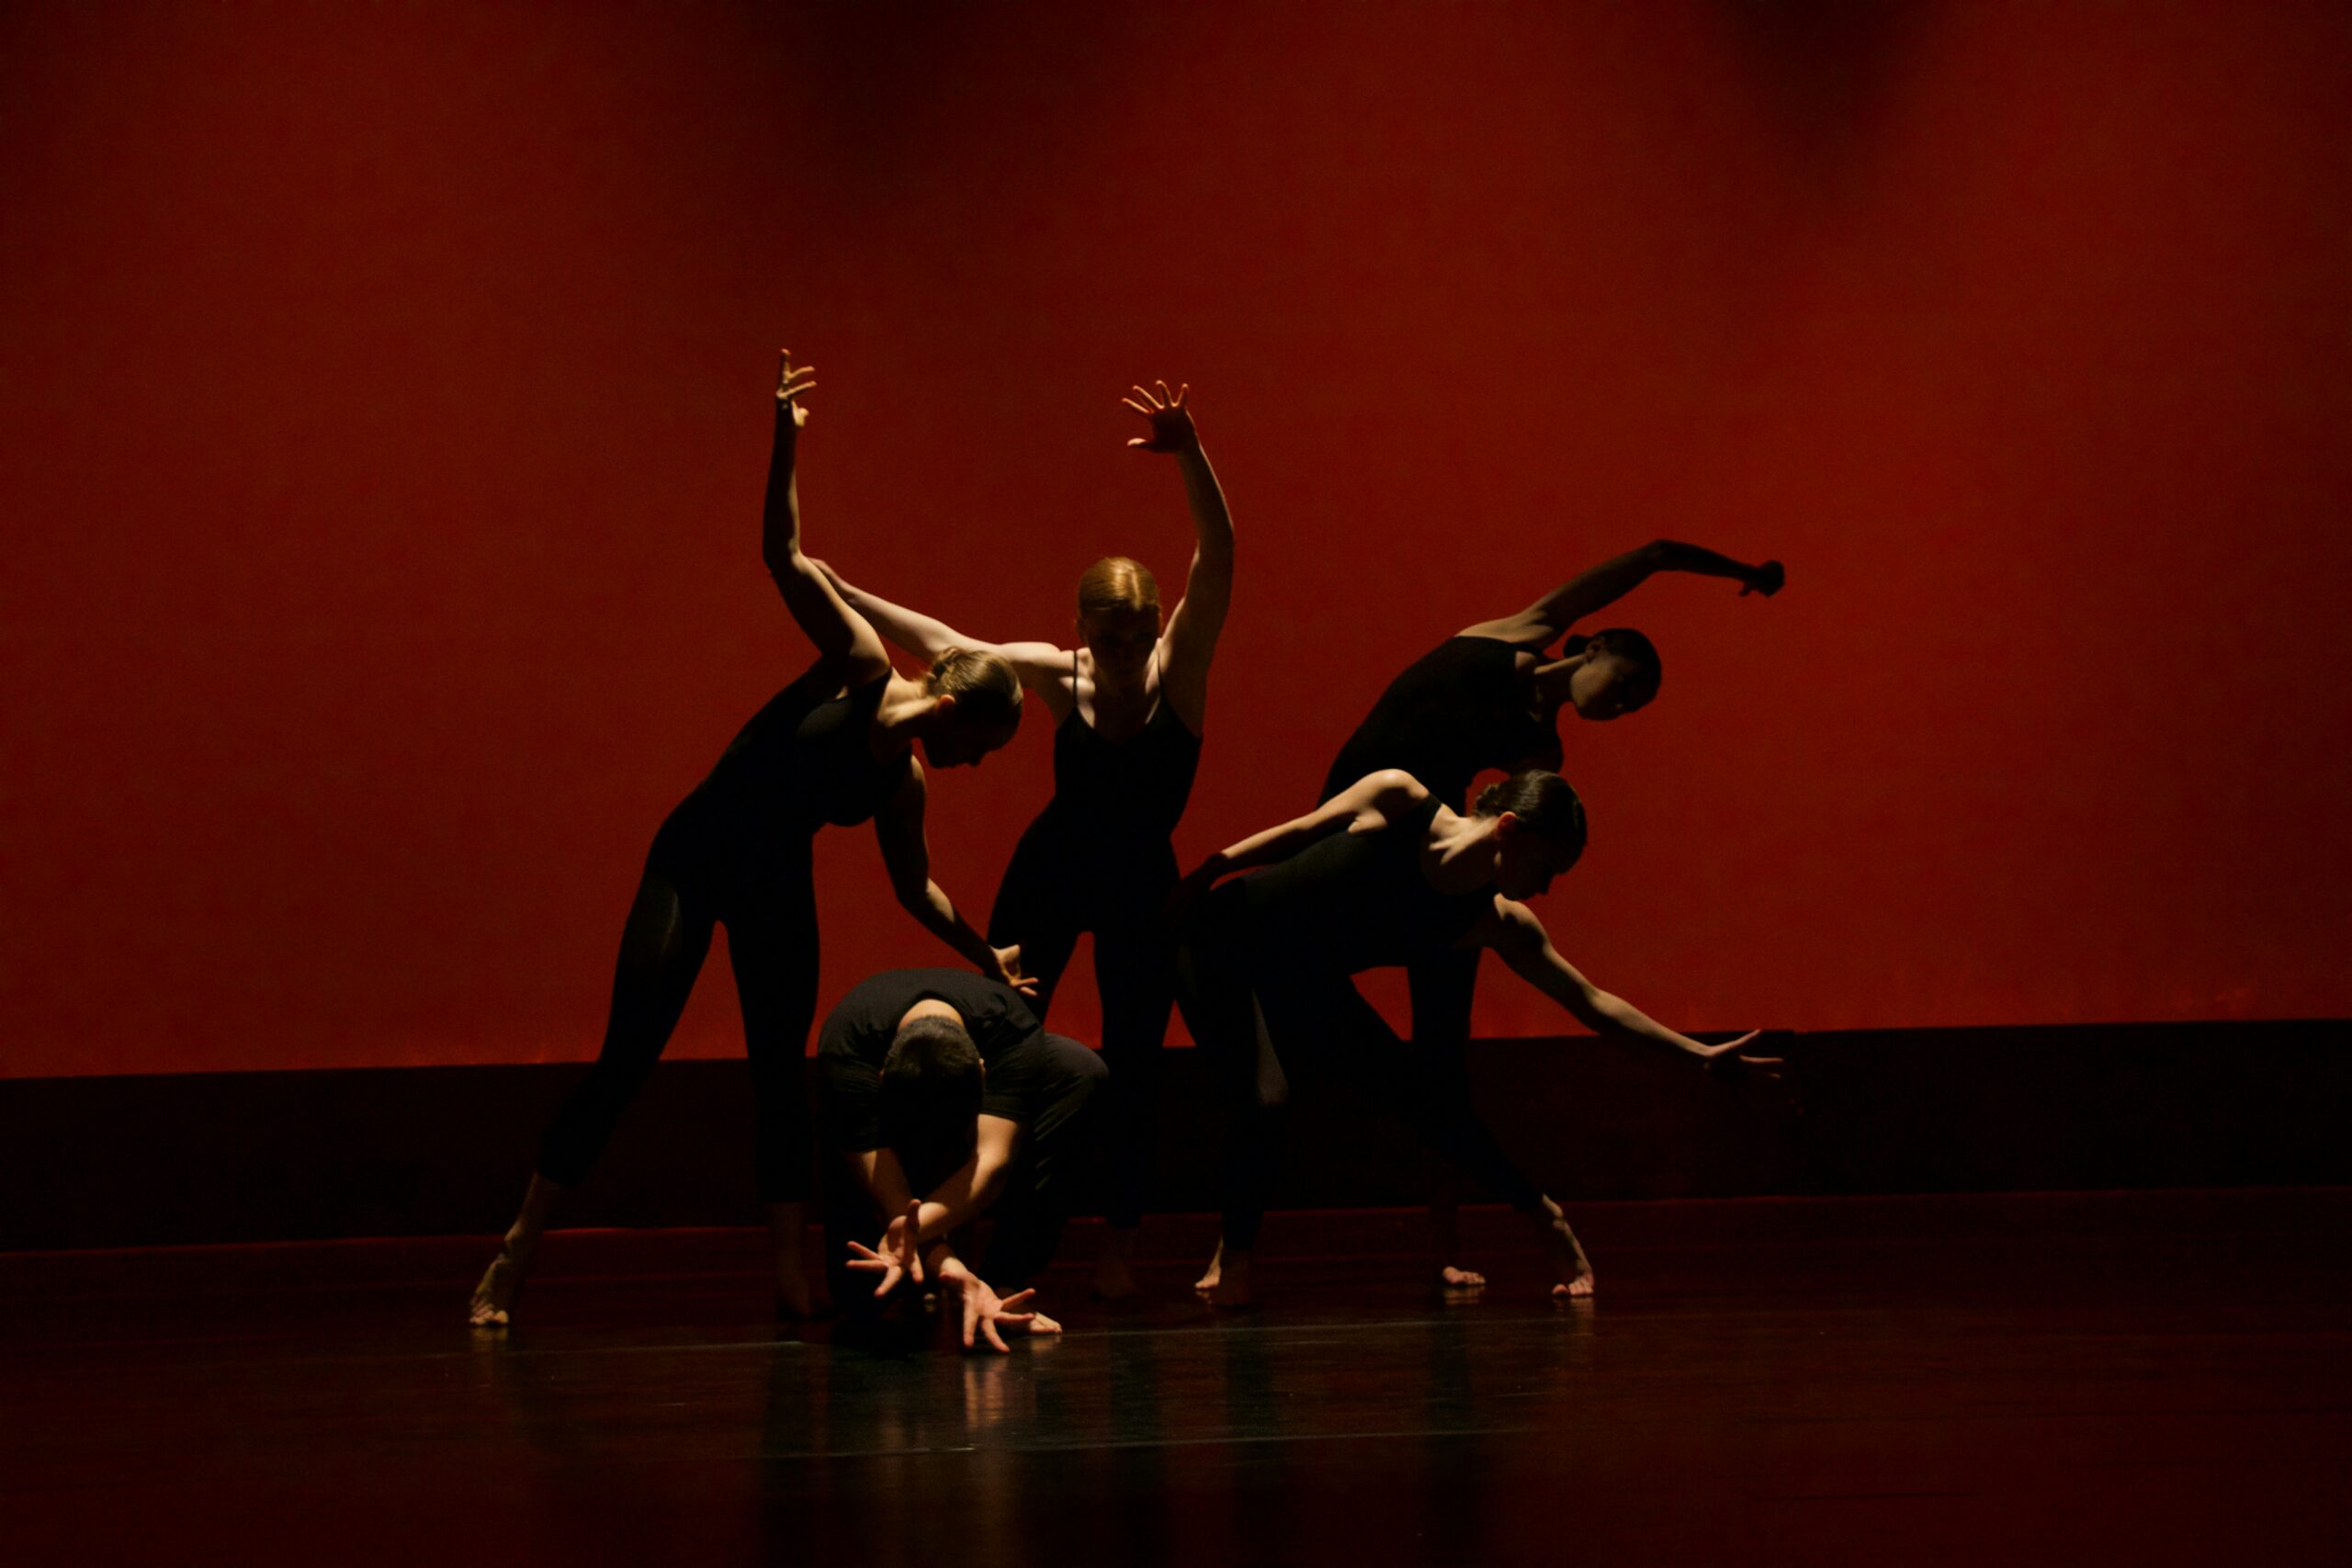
(494, 1299)
(1227, 1283)
(1460, 1284)
(1569, 1265)
(1571, 1272)
(1214, 1272)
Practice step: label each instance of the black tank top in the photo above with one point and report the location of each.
(1131, 791)
(807, 758)
(1459, 709)
(1357, 901)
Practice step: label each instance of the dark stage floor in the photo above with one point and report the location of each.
(2097, 1379)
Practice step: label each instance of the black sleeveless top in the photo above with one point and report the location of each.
(1126, 792)
(1356, 901)
(1457, 710)
(806, 759)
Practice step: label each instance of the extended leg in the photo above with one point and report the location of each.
(1223, 1012)
(772, 945)
(1449, 1123)
(663, 946)
(1443, 988)
(1134, 964)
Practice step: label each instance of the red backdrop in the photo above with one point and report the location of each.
(385, 402)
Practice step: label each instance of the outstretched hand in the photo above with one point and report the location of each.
(986, 1315)
(791, 381)
(1171, 421)
(898, 1256)
(1732, 1064)
(1767, 580)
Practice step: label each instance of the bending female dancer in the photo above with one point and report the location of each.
(835, 746)
(1488, 697)
(1384, 874)
(1128, 706)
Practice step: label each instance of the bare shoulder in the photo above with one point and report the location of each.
(1511, 925)
(1524, 631)
(1390, 789)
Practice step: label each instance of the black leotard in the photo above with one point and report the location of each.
(1265, 971)
(1097, 859)
(1131, 791)
(1355, 901)
(803, 760)
(736, 851)
(1461, 707)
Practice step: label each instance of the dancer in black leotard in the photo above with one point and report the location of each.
(835, 746)
(1128, 708)
(1486, 698)
(1384, 873)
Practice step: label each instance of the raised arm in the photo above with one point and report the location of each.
(839, 632)
(1588, 592)
(906, 856)
(1043, 668)
(1513, 930)
(1189, 645)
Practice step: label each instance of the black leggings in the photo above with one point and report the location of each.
(1058, 886)
(1057, 1150)
(767, 898)
(1247, 1012)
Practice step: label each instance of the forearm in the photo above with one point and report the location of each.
(780, 530)
(1212, 522)
(1273, 844)
(1673, 554)
(936, 913)
(1614, 1018)
(918, 634)
(961, 1198)
(1529, 952)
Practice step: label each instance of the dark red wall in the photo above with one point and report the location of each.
(384, 397)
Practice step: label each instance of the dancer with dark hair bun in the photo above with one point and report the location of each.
(1128, 706)
(1385, 874)
(1488, 697)
(836, 746)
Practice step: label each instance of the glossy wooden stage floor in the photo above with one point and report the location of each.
(2146, 1378)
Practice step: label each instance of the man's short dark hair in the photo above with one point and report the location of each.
(931, 1097)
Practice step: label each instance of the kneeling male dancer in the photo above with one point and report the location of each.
(943, 1082)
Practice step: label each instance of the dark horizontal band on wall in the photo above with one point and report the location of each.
(159, 1160)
